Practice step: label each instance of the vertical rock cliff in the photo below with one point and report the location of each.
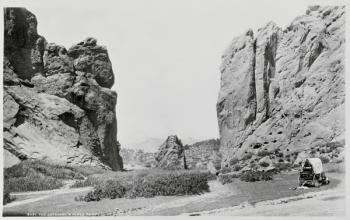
(284, 90)
(58, 104)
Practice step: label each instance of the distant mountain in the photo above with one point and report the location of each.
(152, 144)
(147, 145)
(189, 140)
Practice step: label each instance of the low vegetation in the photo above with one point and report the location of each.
(7, 197)
(234, 161)
(255, 175)
(264, 153)
(264, 164)
(147, 183)
(36, 175)
(324, 159)
(227, 177)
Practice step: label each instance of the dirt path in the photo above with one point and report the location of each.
(275, 197)
(323, 203)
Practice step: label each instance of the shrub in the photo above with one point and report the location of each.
(35, 175)
(264, 164)
(227, 178)
(324, 159)
(7, 198)
(237, 168)
(149, 184)
(32, 182)
(247, 156)
(148, 165)
(282, 166)
(225, 170)
(233, 161)
(174, 183)
(264, 153)
(89, 181)
(254, 175)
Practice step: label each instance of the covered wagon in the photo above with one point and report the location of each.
(311, 173)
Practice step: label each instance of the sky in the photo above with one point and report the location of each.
(165, 54)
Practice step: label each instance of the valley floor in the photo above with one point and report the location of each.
(276, 197)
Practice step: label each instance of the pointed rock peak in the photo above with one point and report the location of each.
(250, 33)
(173, 138)
(90, 41)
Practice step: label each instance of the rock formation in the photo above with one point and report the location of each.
(199, 154)
(171, 154)
(137, 157)
(284, 90)
(57, 103)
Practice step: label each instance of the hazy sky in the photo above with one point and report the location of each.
(165, 54)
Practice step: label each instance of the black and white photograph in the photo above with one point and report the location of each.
(174, 108)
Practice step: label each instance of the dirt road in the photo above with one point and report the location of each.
(323, 203)
(276, 197)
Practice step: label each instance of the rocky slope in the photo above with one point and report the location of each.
(58, 104)
(282, 91)
(171, 154)
(199, 154)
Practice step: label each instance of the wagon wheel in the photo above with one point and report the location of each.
(315, 182)
(301, 182)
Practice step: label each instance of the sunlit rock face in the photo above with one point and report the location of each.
(283, 91)
(58, 105)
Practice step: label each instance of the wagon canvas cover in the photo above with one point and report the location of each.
(316, 164)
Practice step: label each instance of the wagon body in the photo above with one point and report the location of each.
(312, 174)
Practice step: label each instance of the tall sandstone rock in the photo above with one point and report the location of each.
(58, 104)
(171, 154)
(284, 89)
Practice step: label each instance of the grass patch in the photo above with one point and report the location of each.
(147, 183)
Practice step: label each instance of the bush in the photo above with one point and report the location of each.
(254, 175)
(264, 164)
(282, 166)
(264, 153)
(150, 184)
(32, 182)
(225, 170)
(47, 169)
(35, 175)
(237, 168)
(247, 156)
(324, 159)
(234, 161)
(227, 178)
(7, 198)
